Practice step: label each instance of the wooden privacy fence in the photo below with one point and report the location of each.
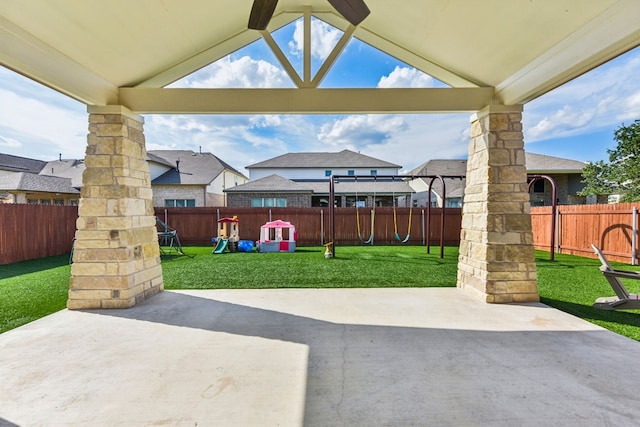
(197, 226)
(613, 228)
(35, 231)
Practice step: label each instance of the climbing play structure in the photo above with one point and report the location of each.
(228, 235)
(277, 236)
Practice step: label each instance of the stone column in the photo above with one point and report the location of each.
(496, 260)
(116, 260)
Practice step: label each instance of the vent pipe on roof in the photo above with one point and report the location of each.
(60, 156)
(178, 165)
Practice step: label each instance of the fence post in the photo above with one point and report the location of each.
(423, 242)
(634, 226)
(321, 227)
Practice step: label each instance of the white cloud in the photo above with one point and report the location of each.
(631, 109)
(562, 122)
(598, 100)
(360, 130)
(404, 77)
(323, 39)
(6, 142)
(43, 129)
(243, 72)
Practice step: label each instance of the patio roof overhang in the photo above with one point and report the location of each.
(121, 52)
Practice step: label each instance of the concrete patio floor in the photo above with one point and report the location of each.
(318, 357)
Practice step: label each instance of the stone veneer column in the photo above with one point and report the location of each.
(496, 260)
(116, 259)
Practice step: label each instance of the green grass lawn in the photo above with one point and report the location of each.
(32, 289)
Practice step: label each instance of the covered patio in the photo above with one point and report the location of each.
(313, 357)
(317, 357)
(118, 57)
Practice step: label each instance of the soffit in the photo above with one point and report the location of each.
(522, 48)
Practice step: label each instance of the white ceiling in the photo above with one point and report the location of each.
(516, 50)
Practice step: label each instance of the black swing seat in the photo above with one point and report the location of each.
(623, 299)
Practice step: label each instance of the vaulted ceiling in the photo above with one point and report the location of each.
(490, 51)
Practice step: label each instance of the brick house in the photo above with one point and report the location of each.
(566, 173)
(302, 180)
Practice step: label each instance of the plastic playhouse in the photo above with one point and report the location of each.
(277, 236)
(228, 235)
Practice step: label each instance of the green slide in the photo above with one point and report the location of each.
(221, 246)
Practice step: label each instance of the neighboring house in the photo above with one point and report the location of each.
(302, 180)
(566, 173)
(178, 178)
(320, 166)
(24, 180)
(184, 178)
(454, 187)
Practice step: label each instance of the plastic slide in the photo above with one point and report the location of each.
(221, 246)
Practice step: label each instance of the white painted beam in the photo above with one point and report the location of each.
(304, 101)
(282, 58)
(29, 56)
(202, 59)
(610, 34)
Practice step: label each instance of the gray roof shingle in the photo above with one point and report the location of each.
(23, 181)
(535, 163)
(194, 168)
(272, 183)
(277, 184)
(20, 164)
(342, 159)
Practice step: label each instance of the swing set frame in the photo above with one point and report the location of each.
(336, 178)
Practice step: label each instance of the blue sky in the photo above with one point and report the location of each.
(574, 121)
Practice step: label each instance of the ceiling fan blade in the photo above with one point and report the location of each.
(261, 13)
(353, 11)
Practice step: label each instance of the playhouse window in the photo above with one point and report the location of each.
(327, 172)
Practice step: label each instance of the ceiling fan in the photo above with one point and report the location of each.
(353, 11)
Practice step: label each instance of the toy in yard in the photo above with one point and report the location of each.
(277, 236)
(228, 235)
(328, 252)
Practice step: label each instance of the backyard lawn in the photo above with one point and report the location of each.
(33, 289)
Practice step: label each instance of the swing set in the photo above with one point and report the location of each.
(369, 240)
(395, 222)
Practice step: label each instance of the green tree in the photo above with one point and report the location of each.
(622, 174)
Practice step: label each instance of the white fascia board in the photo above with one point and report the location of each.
(25, 54)
(610, 34)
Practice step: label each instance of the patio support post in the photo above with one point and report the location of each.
(496, 260)
(116, 260)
